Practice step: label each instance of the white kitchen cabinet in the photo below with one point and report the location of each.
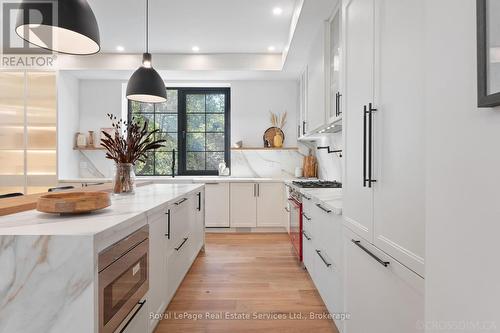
(257, 205)
(157, 300)
(399, 193)
(269, 203)
(217, 205)
(384, 157)
(199, 221)
(358, 23)
(179, 261)
(178, 227)
(177, 234)
(328, 279)
(316, 116)
(301, 127)
(243, 205)
(333, 65)
(380, 298)
(322, 253)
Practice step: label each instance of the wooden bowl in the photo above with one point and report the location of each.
(73, 202)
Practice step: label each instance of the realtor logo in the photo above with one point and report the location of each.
(39, 12)
(17, 52)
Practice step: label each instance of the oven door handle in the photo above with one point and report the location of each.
(294, 202)
(141, 304)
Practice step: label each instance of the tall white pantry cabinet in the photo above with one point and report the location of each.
(384, 209)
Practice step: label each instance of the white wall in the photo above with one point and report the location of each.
(67, 125)
(463, 178)
(251, 102)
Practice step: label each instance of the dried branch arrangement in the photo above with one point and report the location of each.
(278, 120)
(130, 141)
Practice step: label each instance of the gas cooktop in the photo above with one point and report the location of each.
(317, 184)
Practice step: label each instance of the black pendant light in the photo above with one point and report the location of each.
(146, 85)
(73, 30)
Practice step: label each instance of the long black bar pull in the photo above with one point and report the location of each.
(364, 145)
(370, 143)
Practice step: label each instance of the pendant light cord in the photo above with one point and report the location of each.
(147, 26)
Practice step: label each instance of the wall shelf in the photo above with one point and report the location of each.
(88, 148)
(262, 148)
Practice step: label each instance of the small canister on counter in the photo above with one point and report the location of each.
(299, 172)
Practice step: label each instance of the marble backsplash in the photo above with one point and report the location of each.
(278, 164)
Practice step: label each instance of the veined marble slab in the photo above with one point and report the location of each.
(276, 164)
(46, 284)
(48, 265)
(123, 208)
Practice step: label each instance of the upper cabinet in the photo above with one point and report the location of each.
(320, 81)
(333, 62)
(316, 116)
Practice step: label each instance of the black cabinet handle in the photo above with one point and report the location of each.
(305, 235)
(370, 139)
(304, 196)
(141, 304)
(298, 132)
(364, 145)
(303, 128)
(199, 201)
(182, 244)
(323, 208)
(180, 201)
(306, 217)
(383, 263)
(337, 111)
(322, 258)
(339, 103)
(168, 224)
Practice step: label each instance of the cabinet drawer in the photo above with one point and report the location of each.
(178, 263)
(328, 280)
(180, 214)
(377, 285)
(307, 251)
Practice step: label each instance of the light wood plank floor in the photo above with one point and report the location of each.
(246, 274)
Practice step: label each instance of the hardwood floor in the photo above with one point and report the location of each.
(246, 274)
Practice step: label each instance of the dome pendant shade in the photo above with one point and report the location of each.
(146, 85)
(73, 31)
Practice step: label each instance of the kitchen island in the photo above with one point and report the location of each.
(49, 263)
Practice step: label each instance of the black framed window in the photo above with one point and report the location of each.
(196, 124)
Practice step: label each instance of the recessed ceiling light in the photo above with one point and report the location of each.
(195, 49)
(120, 48)
(271, 49)
(277, 11)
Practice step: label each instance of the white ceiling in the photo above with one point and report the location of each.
(215, 26)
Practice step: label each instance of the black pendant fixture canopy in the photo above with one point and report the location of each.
(146, 85)
(67, 26)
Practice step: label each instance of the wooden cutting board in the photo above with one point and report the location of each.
(73, 202)
(310, 166)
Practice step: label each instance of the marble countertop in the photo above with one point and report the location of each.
(183, 179)
(329, 197)
(125, 210)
